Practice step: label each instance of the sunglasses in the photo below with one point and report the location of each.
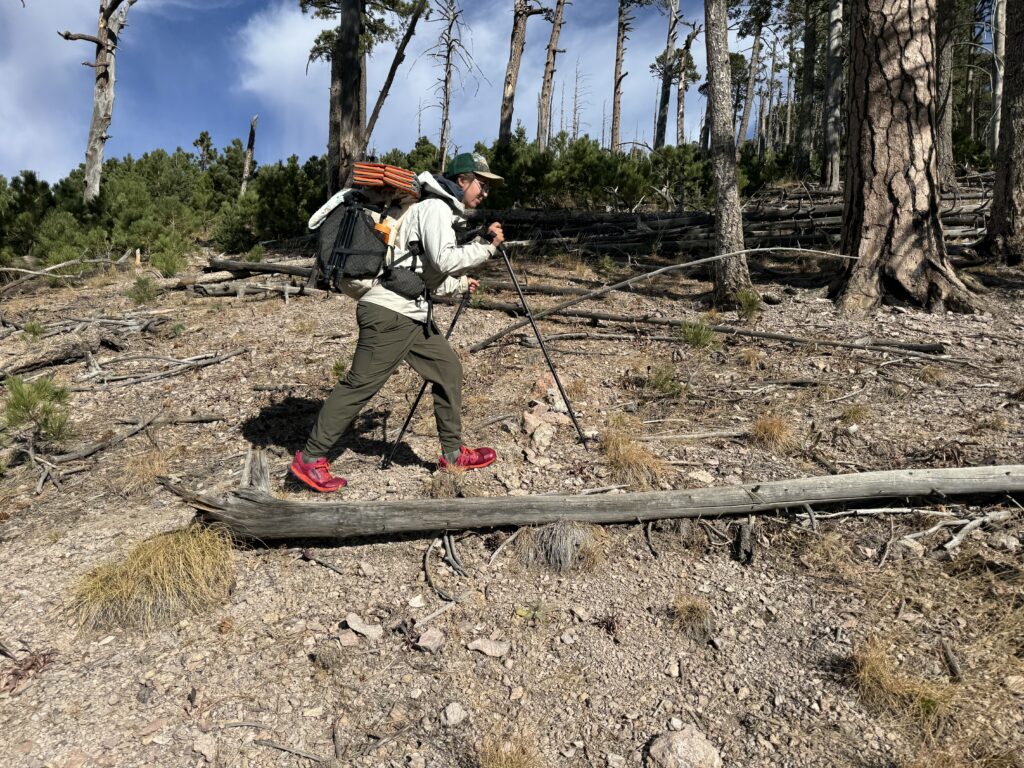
(485, 188)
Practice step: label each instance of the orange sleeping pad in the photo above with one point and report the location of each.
(381, 175)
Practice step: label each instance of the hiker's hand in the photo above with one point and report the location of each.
(473, 284)
(495, 235)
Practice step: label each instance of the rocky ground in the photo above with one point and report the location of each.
(580, 668)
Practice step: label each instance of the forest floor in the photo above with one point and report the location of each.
(598, 662)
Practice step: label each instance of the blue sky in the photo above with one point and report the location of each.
(185, 66)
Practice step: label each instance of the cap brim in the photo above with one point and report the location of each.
(491, 177)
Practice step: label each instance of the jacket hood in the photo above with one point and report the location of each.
(433, 188)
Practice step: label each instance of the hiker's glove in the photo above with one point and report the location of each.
(495, 235)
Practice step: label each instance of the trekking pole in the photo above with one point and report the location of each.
(408, 419)
(543, 347)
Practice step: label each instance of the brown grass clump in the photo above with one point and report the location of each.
(160, 581)
(997, 423)
(855, 414)
(772, 433)
(754, 359)
(932, 374)
(631, 463)
(451, 483)
(562, 546)
(925, 702)
(515, 751)
(691, 615)
(140, 472)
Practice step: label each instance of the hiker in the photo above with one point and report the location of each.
(393, 329)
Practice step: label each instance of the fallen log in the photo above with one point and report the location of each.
(252, 513)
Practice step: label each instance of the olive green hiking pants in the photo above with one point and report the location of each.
(386, 338)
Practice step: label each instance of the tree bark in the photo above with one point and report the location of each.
(998, 59)
(547, 85)
(113, 15)
(831, 160)
(748, 102)
(891, 202)
(345, 124)
(787, 138)
(522, 10)
(254, 513)
(730, 275)
(621, 35)
(661, 123)
(1006, 225)
(944, 42)
(681, 86)
(805, 118)
(448, 40)
(250, 149)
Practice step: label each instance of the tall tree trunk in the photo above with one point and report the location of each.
(944, 42)
(344, 135)
(446, 87)
(547, 86)
(805, 118)
(661, 123)
(770, 120)
(521, 11)
(831, 160)
(621, 34)
(695, 29)
(998, 59)
(891, 202)
(748, 102)
(730, 275)
(250, 151)
(790, 90)
(1006, 224)
(113, 15)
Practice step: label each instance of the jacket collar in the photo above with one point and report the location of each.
(430, 186)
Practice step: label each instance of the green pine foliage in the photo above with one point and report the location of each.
(39, 404)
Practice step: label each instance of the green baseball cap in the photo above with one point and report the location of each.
(471, 162)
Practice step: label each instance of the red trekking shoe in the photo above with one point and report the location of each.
(470, 458)
(316, 474)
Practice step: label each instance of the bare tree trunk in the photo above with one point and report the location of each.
(661, 123)
(769, 125)
(448, 39)
(113, 15)
(831, 161)
(1006, 224)
(396, 62)
(250, 149)
(547, 86)
(521, 11)
(790, 90)
(621, 34)
(695, 29)
(730, 275)
(345, 121)
(944, 42)
(805, 119)
(998, 58)
(891, 206)
(748, 102)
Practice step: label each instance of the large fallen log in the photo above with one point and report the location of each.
(254, 513)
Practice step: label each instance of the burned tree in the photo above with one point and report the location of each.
(891, 206)
(547, 86)
(452, 57)
(623, 27)
(667, 72)
(687, 75)
(112, 19)
(730, 275)
(1006, 225)
(522, 10)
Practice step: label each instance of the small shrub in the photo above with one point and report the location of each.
(754, 359)
(340, 368)
(748, 304)
(692, 616)
(158, 583)
(630, 462)
(33, 329)
(663, 380)
(451, 483)
(606, 265)
(39, 403)
(561, 546)
(256, 253)
(513, 751)
(772, 433)
(855, 414)
(932, 374)
(143, 290)
(696, 334)
(169, 256)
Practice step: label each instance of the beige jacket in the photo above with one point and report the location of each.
(443, 264)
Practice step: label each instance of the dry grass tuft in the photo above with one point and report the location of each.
(511, 751)
(691, 615)
(451, 483)
(996, 423)
(855, 414)
(630, 462)
(160, 581)
(925, 702)
(772, 433)
(562, 546)
(754, 359)
(140, 472)
(933, 374)
(577, 389)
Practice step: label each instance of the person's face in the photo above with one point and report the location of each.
(474, 190)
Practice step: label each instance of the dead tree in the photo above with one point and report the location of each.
(522, 10)
(805, 117)
(623, 27)
(831, 159)
(112, 19)
(250, 149)
(661, 123)
(345, 119)
(685, 68)
(748, 102)
(730, 275)
(944, 42)
(453, 57)
(1006, 225)
(891, 202)
(998, 56)
(547, 85)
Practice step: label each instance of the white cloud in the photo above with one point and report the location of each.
(44, 112)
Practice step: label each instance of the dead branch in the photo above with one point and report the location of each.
(256, 514)
(89, 450)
